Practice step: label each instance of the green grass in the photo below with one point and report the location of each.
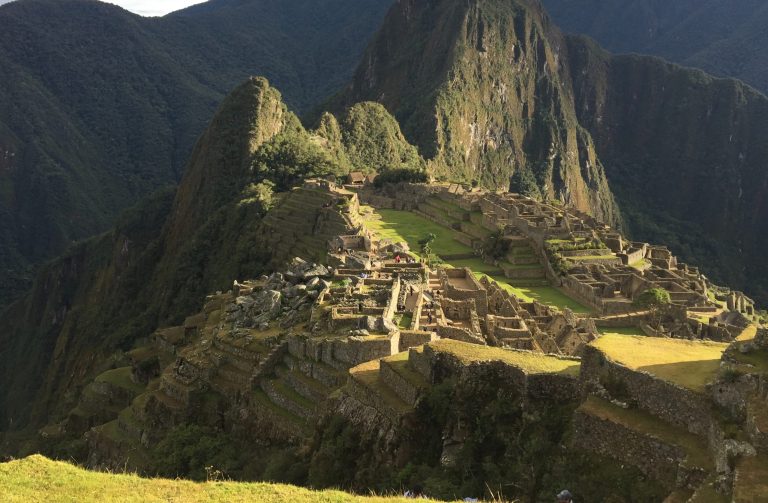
(757, 358)
(38, 479)
(404, 321)
(121, 378)
(404, 226)
(550, 296)
(640, 264)
(620, 331)
(529, 362)
(637, 420)
(691, 364)
(476, 264)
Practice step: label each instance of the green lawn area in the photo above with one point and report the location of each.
(38, 479)
(621, 331)
(404, 226)
(691, 364)
(548, 295)
(531, 363)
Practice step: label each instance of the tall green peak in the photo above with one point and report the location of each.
(481, 88)
(374, 141)
(250, 116)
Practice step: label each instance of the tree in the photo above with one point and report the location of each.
(654, 300)
(290, 158)
(426, 244)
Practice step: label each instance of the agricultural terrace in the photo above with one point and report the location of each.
(408, 227)
(691, 364)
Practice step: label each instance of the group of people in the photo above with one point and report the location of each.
(408, 259)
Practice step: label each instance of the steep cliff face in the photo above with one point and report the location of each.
(685, 154)
(481, 88)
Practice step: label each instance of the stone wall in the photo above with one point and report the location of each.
(412, 338)
(670, 402)
(477, 290)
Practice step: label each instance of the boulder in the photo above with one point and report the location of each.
(317, 270)
(368, 323)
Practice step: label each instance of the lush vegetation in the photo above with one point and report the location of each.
(506, 452)
(653, 298)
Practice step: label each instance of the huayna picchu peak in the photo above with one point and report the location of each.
(501, 264)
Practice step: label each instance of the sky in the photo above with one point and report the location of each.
(154, 7)
(148, 7)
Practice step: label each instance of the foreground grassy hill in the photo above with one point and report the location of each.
(37, 478)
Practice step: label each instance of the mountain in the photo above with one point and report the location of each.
(722, 37)
(230, 218)
(100, 107)
(480, 88)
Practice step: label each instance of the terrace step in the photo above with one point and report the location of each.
(319, 371)
(130, 424)
(397, 373)
(750, 481)
(287, 419)
(627, 435)
(284, 397)
(169, 402)
(304, 385)
(367, 386)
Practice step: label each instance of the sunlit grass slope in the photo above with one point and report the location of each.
(691, 364)
(38, 479)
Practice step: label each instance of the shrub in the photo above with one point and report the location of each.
(653, 298)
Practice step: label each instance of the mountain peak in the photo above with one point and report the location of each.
(480, 88)
(251, 115)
